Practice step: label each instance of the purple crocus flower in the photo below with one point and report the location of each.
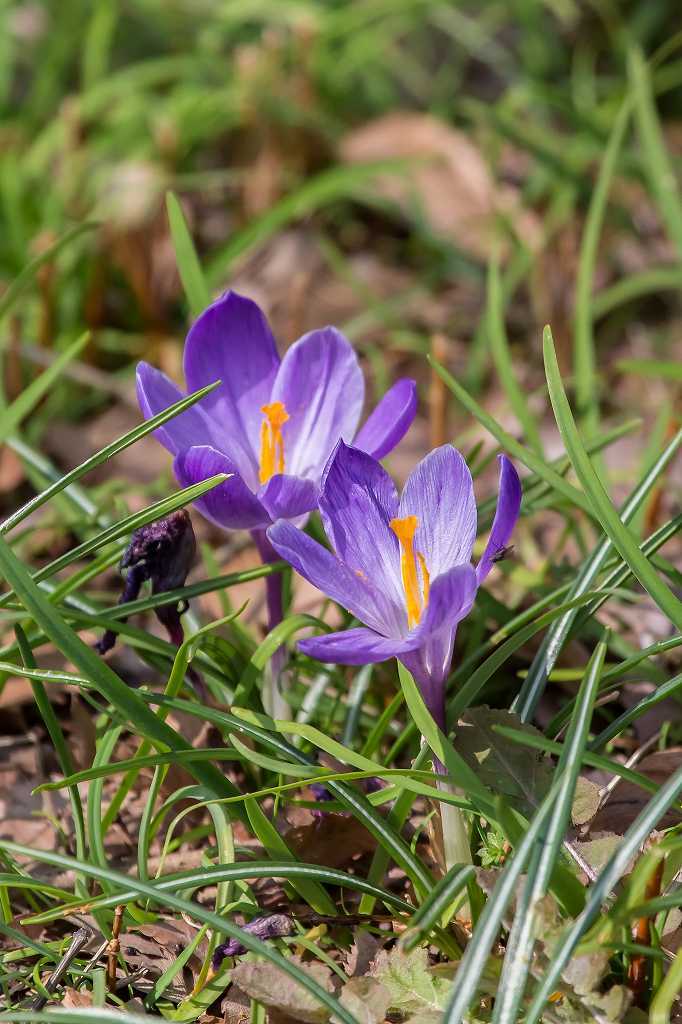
(273, 422)
(401, 565)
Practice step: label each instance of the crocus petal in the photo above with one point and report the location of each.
(360, 646)
(432, 640)
(450, 599)
(231, 504)
(357, 501)
(506, 514)
(439, 491)
(155, 392)
(286, 497)
(329, 574)
(322, 387)
(232, 342)
(390, 420)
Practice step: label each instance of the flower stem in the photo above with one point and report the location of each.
(274, 688)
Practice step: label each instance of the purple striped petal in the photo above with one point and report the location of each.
(329, 574)
(287, 497)
(360, 646)
(390, 420)
(155, 392)
(506, 514)
(322, 387)
(232, 342)
(439, 491)
(231, 504)
(357, 501)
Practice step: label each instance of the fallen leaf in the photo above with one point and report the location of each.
(447, 180)
(367, 999)
(627, 800)
(585, 801)
(269, 985)
(521, 775)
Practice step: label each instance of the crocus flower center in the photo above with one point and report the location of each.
(416, 596)
(271, 440)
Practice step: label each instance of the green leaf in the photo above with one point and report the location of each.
(621, 537)
(189, 268)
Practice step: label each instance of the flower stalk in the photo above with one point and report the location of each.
(275, 681)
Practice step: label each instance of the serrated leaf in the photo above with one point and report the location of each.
(502, 766)
(413, 987)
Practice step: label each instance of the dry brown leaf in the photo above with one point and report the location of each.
(621, 809)
(449, 179)
(333, 840)
(75, 1000)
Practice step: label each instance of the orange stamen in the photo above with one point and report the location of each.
(405, 529)
(271, 440)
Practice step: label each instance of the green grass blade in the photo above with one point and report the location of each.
(22, 281)
(436, 904)
(614, 870)
(189, 268)
(499, 347)
(658, 167)
(194, 910)
(11, 417)
(587, 398)
(519, 950)
(551, 646)
(511, 445)
(621, 537)
(124, 527)
(652, 367)
(119, 445)
(127, 702)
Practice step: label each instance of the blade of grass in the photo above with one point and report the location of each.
(620, 535)
(550, 648)
(124, 527)
(519, 950)
(22, 281)
(613, 871)
(12, 415)
(127, 702)
(194, 910)
(499, 347)
(511, 445)
(655, 158)
(584, 362)
(189, 268)
(119, 445)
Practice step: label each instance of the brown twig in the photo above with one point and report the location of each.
(114, 948)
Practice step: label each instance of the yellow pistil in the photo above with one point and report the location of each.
(271, 440)
(415, 600)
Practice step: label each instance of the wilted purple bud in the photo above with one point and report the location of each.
(272, 927)
(161, 552)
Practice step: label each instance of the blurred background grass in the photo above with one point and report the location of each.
(360, 163)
